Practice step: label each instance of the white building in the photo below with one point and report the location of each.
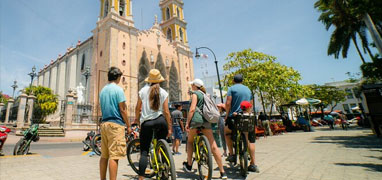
(353, 98)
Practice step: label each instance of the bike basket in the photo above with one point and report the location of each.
(245, 123)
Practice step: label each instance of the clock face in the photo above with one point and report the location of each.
(158, 33)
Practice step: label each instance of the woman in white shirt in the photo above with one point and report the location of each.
(152, 113)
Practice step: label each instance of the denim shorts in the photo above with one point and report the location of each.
(177, 132)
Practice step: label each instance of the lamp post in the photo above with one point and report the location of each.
(32, 75)
(87, 74)
(14, 86)
(197, 55)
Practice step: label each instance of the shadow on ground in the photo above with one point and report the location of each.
(375, 157)
(368, 141)
(370, 166)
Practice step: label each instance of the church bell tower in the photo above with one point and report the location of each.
(122, 7)
(173, 24)
(114, 44)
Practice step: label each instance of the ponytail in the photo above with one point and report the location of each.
(154, 96)
(203, 89)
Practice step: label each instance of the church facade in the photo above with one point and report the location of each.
(116, 42)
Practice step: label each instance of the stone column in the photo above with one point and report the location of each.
(31, 100)
(21, 110)
(10, 104)
(69, 109)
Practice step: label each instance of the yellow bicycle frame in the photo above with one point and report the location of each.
(156, 165)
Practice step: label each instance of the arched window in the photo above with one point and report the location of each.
(178, 12)
(167, 13)
(169, 34)
(121, 7)
(181, 34)
(106, 8)
(83, 62)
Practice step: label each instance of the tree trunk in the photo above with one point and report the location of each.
(254, 107)
(270, 112)
(356, 46)
(262, 102)
(331, 110)
(366, 46)
(322, 112)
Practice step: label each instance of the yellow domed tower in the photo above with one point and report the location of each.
(122, 7)
(173, 24)
(174, 28)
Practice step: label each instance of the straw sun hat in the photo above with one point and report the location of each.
(154, 76)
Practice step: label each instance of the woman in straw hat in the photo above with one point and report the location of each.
(151, 113)
(195, 120)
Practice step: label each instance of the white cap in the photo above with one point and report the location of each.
(197, 82)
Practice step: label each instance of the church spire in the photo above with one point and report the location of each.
(173, 24)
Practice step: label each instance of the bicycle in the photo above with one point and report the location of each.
(161, 162)
(244, 123)
(203, 155)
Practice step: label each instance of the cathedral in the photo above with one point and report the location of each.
(82, 70)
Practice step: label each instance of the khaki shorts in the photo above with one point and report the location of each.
(113, 141)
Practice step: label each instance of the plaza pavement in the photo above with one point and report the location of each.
(321, 155)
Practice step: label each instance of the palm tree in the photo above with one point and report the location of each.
(337, 13)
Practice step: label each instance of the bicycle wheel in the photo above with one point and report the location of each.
(205, 162)
(243, 156)
(133, 153)
(165, 161)
(20, 147)
(96, 144)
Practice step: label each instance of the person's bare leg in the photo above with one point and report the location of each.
(113, 169)
(190, 141)
(103, 168)
(251, 147)
(177, 141)
(228, 139)
(214, 148)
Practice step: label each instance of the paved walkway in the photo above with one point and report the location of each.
(324, 154)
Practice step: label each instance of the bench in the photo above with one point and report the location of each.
(277, 129)
(260, 132)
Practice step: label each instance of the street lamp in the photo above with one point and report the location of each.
(197, 55)
(87, 74)
(14, 86)
(32, 75)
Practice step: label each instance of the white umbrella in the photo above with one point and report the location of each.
(302, 101)
(355, 108)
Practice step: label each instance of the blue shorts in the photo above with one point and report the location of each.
(177, 132)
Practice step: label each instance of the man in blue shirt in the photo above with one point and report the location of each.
(114, 120)
(235, 95)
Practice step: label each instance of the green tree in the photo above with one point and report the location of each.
(45, 104)
(337, 13)
(329, 95)
(272, 81)
(347, 16)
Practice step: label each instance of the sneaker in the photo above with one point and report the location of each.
(253, 168)
(178, 153)
(187, 167)
(230, 158)
(223, 175)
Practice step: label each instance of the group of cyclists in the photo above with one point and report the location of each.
(153, 116)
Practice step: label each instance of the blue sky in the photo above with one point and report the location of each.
(34, 32)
